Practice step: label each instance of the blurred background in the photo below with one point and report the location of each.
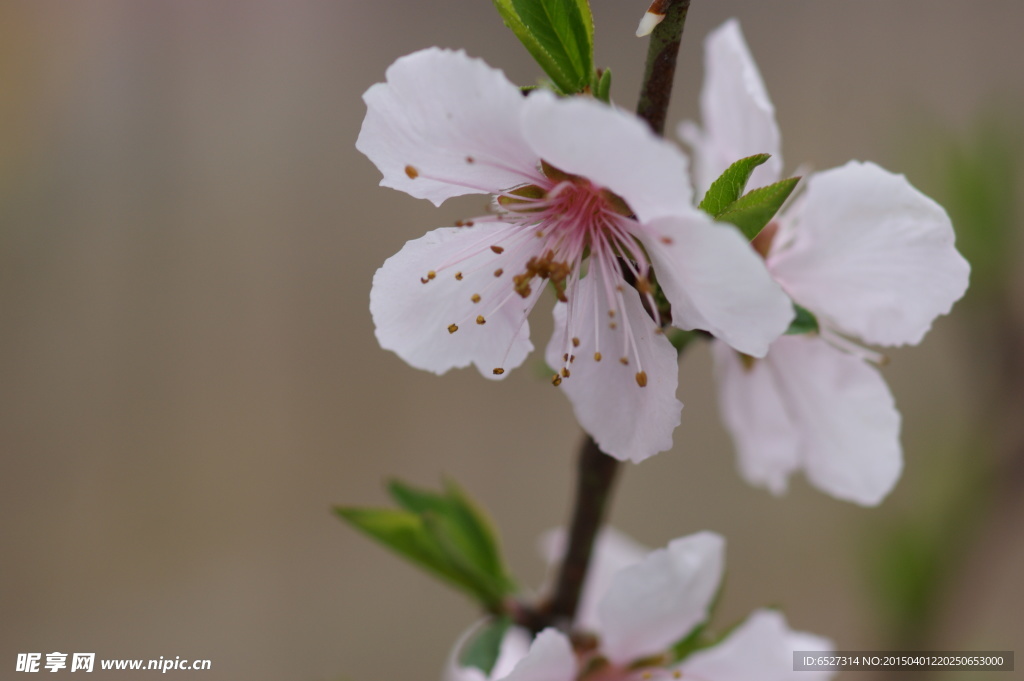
(189, 378)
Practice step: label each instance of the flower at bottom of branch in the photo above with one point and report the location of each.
(586, 201)
(640, 612)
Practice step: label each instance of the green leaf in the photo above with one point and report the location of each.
(755, 209)
(482, 650)
(804, 322)
(730, 185)
(457, 522)
(447, 533)
(603, 89)
(560, 36)
(405, 533)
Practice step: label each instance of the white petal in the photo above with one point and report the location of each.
(739, 119)
(761, 648)
(610, 147)
(412, 318)
(766, 439)
(627, 421)
(717, 282)
(653, 604)
(550, 659)
(871, 255)
(613, 551)
(843, 417)
(452, 119)
(514, 646)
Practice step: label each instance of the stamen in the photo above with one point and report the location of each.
(667, 240)
(470, 159)
(565, 372)
(641, 379)
(452, 328)
(498, 272)
(498, 371)
(597, 356)
(575, 342)
(498, 249)
(412, 172)
(475, 297)
(458, 276)
(480, 319)
(556, 380)
(623, 361)
(431, 274)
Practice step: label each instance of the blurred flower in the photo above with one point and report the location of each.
(870, 256)
(586, 200)
(642, 609)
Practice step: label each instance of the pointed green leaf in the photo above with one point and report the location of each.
(542, 56)
(481, 651)
(804, 322)
(730, 185)
(404, 532)
(755, 209)
(603, 89)
(468, 536)
(447, 533)
(560, 36)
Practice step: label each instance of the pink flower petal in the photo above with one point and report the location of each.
(766, 438)
(550, 659)
(653, 604)
(514, 647)
(738, 116)
(445, 125)
(610, 147)
(627, 421)
(416, 319)
(842, 420)
(871, 255)
(717, 282)
(761, 648)
(613, 551)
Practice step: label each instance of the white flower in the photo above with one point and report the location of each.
(869, 255)
(648, 604)
(586, 199)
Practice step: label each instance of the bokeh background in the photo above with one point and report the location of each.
(189, 378)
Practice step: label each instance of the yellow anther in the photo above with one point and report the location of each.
(613, 325)
(565, 373)
(556, 380)
(452, 328)
(498, 272)
(641, 379)
(458, 276)
(575, 342)
(623, 361)
(480, 319)
(412, 172)
(677, 674)
(475, 297)
(597, 356)
(498, 371)
(431, 274)
(611, 313)
(498, 249)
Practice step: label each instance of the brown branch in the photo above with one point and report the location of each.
(660, 71)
